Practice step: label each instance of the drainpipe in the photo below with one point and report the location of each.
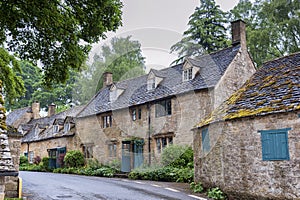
(149, 132)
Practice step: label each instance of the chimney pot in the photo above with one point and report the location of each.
(107, 79)
(35, 107)
(238, 29)
(51, 109)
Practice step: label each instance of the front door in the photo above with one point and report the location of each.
(138, 153)
(126, 156)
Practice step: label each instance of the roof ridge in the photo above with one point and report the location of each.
(279, 58)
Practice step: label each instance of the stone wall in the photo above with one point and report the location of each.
(234, 162)
(11, 182)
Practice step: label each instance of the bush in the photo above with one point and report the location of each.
(23, 160)
(216, 193)
(45, 163)
(196, 187)
(177, 156)
(74, 159)
(37, 160)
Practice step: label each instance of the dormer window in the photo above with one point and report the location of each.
(151, 84)
(114, 93)
(66, 127)
(55, 129)
(188, 74)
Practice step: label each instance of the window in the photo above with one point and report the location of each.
(163, 142)
(31, 156)
(133, 114)
(163, 108)
(66, 127)
(87, 151)
(188, 74)
(112, 149)
(139, 113)
(205, 140)
(275, 144)
(55, 129)
(113, 95)
(151, 84)
(136, 114)
(107, 121)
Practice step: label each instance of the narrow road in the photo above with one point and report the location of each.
(50, 186)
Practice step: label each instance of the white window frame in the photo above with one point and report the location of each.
(188, 74)
(151, 84)
(55, 128)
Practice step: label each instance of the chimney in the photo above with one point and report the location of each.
(107, 79)
(35, 107)
(238, 30)
(51, 109)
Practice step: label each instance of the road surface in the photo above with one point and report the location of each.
(50, 186)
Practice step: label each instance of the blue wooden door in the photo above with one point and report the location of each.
(126, 156)
(138, 149)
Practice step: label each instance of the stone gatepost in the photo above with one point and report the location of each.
(6, 165)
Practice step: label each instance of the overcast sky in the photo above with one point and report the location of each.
(157, 25)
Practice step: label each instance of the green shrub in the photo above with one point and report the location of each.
(115, 164)
(215, 193)
(196, 187)
(185, 175)
(23, 160)
(74, 159)
(177, 156)
(94, 164)
(45, 163)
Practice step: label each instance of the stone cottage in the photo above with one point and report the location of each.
(250, 145)
(44, 136)
(51, 136)
(133, 120)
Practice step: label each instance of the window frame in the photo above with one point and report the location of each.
(160, 144)
(271, 138)
(163, 108)
(151, 84)
(55, 128)
(188, 74)
(107, 121)
(205, 139)
(67, 127)
(87, 151)
(112, 149)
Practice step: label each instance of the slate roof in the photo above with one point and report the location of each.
(212, 66)
(16, 114)
(45, 126)
(274, 88)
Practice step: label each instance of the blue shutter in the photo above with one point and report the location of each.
(275, 144)
(205, 140)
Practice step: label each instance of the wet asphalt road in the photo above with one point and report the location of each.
(50, 186)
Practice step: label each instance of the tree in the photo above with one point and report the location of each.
(273, 27)
(11, 82)
(56, 33)
(206, 32)
(31, 76)
(123, 57)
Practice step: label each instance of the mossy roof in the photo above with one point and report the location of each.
(274, 88)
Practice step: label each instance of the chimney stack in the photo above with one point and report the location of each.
(51, 109)
(107, 79)
(35, 107)
(238, 30)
